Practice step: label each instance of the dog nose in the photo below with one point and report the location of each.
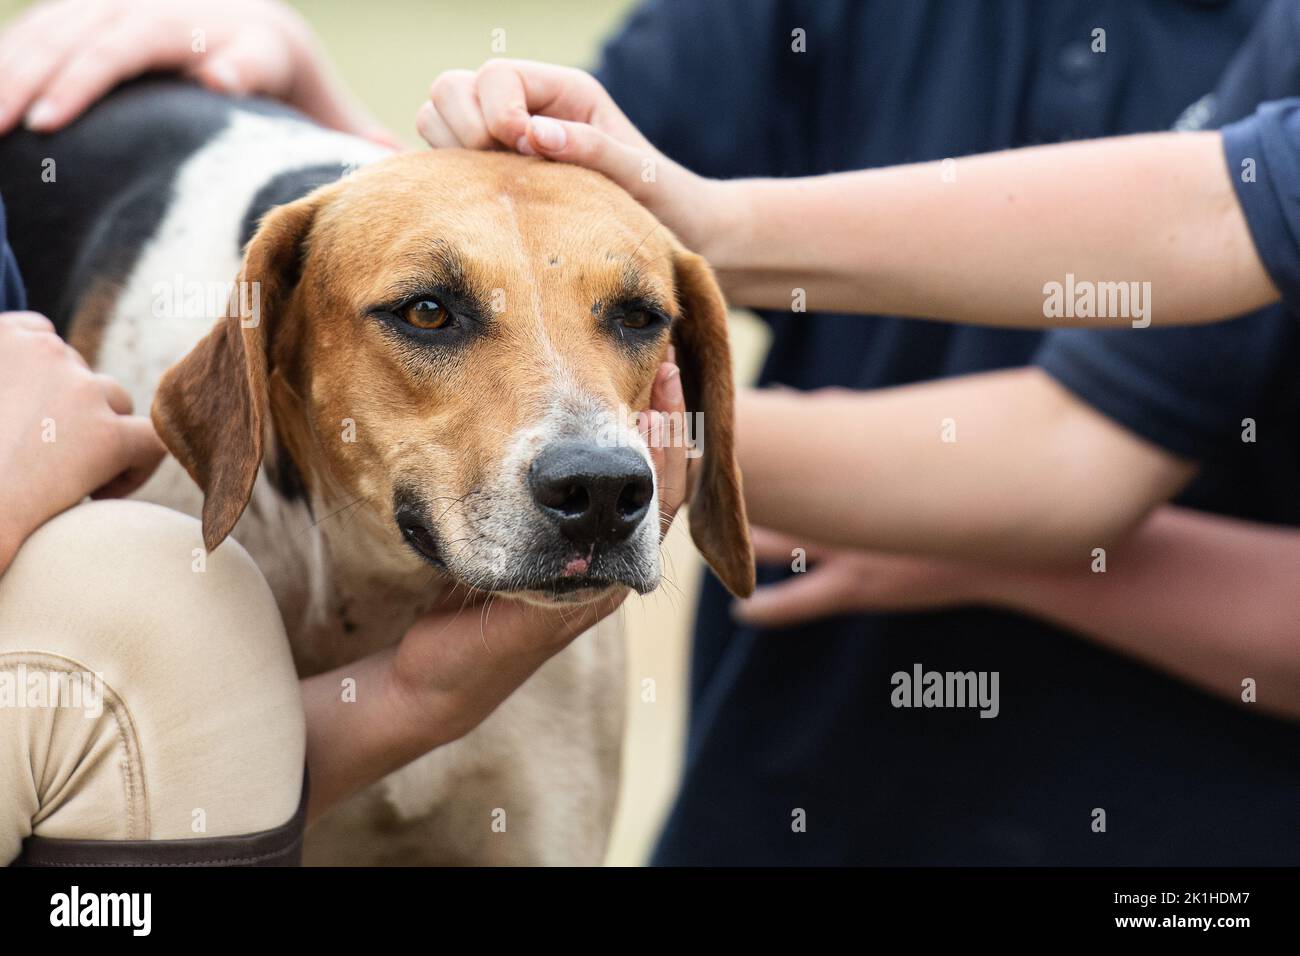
(594, 495)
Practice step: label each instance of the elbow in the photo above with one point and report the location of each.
(1105, 481)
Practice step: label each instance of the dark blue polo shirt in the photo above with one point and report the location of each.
(12, 297)
(801, 720)
(1263, 153)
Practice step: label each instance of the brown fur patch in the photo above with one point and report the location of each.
(86, 330)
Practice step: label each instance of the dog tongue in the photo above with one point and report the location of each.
(575, 567)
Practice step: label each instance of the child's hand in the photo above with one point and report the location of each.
(838, 581)
(565, 114)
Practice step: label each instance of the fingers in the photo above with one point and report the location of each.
(509, 91)
(118, 398)
(774, 547)
(505, 629)
(454, 101)
(433, 129)
(30, 321)
(492, 106)
(585, 145)
(803, 597)
(32, 48)
(665, 434)
(503, 100)
(93, 68)
(528, 627)
(252, 62)
(139, 451)
(537, 109)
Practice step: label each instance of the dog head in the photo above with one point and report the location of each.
(454, 347)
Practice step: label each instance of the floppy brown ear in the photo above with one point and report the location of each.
(211, 406)
(718, 522)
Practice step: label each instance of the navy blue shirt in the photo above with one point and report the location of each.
(12, 297)
(1263, 154)
(802, 720)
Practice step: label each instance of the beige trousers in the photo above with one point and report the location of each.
(146, 688)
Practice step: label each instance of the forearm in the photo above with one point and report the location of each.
(1210, 600)
(450, 671)
(1005, 466)
(977, 240)
(353, 735)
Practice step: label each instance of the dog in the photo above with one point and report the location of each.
(421, 377)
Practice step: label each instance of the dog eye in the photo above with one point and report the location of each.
(425, 313)
(638, 319)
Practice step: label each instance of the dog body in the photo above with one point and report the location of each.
(386, 405)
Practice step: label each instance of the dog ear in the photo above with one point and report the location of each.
(717, 508)
(211, 407)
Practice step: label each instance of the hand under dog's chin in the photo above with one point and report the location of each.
(569, 598)
(561, 591)
(569, 591)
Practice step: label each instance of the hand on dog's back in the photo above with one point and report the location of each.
(59, 58)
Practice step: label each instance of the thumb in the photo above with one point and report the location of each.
(804, 597)
(584, 145)
(139, 452)
(250, 63)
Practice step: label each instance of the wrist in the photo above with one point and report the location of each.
(12, 531)
(724, 225)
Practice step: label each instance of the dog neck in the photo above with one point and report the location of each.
(334, 566)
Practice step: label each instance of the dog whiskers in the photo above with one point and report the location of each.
(351, 504)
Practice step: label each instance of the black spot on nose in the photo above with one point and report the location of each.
(594, 495)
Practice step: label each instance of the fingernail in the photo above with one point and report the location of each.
(673, 386)
(548, 133)
(525, 147)
(41, 115)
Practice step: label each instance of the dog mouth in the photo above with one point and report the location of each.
(422, 541)
(571, 579)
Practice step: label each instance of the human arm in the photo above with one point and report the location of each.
(972, 240)
(1210, 600)
(1004, 465)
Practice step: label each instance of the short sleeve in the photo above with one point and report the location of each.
(1263, 153)
(1185, 389)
